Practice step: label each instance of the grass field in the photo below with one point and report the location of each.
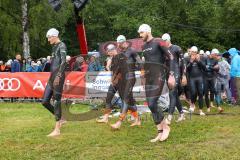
(23, 130)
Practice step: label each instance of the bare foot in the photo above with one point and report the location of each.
(137, 122)
(62, 122)
(220, 110)
(117, 125)
(102, 120)
(208, 109)
(157, 138)
(165, 134)
(54, 133)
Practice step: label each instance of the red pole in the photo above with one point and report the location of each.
(82, 37)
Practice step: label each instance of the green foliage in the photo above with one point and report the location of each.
(205, 23)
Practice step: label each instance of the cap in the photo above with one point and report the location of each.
(68, 58)
(110, 47)
(121, 38)
(185, 55)
(166, 37)
(201, 52)
(207, 53)
(194, 49)
(144, 28)
(80, 59)
(215, 51)
(52, 33)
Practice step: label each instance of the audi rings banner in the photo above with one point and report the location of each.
(24, 84)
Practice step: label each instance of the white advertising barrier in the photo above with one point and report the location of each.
(97, 84)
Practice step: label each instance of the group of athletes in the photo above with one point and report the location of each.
(163, 62)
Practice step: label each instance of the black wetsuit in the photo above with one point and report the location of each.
(123, 82)
(155, 74)
(195, 75)
(178, 71)
(57, 69)
(209, 79)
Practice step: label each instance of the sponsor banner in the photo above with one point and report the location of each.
(24, 84)
(97, 84)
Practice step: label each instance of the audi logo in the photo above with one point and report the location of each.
(9, 84)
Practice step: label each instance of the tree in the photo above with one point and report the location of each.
(26, 47)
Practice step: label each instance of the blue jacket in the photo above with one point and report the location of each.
(15, 66)
(235, 62)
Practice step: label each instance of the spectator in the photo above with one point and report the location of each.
(224, 76)
(47, 64)
(28, 63)
(33, 67)
(80, 65)
(39, 66)
(94, 64)
(2, 67)
(235, 73)
(8, 66)
(16, 65)
(68, 67)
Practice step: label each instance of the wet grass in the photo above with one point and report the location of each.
(23, 130)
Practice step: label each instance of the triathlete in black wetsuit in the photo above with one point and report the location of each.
(210, 73)
(155, 74)
(178, 71)
(132, 59)
(55, 83)
(122, 84)
(195, 69)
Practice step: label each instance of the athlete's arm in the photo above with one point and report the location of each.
(63, 54)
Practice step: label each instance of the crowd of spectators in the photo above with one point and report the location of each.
(79, 63)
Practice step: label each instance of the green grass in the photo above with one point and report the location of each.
(23, 130)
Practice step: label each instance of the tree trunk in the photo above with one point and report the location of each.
(26, 47)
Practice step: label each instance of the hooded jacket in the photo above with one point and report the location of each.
(235, 62)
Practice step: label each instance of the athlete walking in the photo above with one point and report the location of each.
(178, 71)
(155, 75)
(55, 83)
(123, 85)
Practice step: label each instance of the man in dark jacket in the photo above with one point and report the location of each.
(16, 64)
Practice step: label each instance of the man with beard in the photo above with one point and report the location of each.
(155, 75)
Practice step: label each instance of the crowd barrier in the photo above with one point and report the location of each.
(77, 84)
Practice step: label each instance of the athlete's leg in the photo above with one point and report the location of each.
(47, 97)
(153, 89)
(206, 92)
(110, 94)
(193, 92)
(212, 91)
(57, 95)
(200, 94)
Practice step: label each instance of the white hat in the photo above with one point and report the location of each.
(194, 49)
(144, 28)
(185, 55)
(110, 47)
(121, 38)
(215, 51)
(166, 37)
(68, 58)
(39, 62)
(207, 53)
(201, 52)
(52, 33)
